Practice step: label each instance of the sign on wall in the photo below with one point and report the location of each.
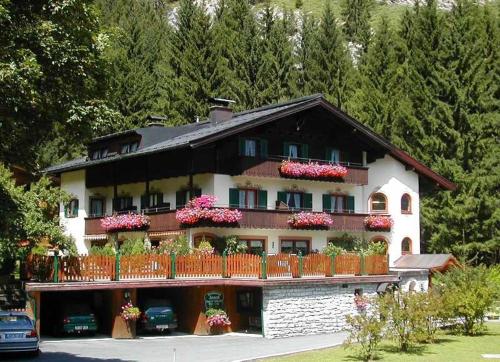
(214, 300)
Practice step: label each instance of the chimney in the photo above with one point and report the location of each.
(220, 110)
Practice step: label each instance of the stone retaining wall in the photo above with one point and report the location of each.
(309, 309)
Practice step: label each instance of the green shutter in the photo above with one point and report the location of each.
(262, 198)
(286, 147)
(263, 148)
(282, 196)
(116, 203)
(159, 199)
(144, 201)
(308, 201)
(197, 192)
(304, 150)
(350, 203)
(234, 198)
(66, 210)
(327, 203)
(75, 208)
(344, 156)
(241, 146)
(180, 199)
(328, 154)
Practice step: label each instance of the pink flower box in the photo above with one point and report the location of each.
(201, 209)
(312, 170)
(125, 222)
(378, 223)
(304, 220)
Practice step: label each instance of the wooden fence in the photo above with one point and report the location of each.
(153, 266)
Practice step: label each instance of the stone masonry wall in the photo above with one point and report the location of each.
(309, 309)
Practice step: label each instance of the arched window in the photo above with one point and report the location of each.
(378, 202)
(382, 240)
(406, 204)
(406, 246)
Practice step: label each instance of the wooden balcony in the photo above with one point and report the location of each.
(252, 219)
(250, 166)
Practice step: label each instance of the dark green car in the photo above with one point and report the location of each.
(158, 316)
(76, 319)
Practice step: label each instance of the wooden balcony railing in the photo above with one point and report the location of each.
(161, 266)
(251, 166)
(252, 219)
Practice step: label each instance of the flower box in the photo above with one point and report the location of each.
(201, 211)
(378, 223)
(312, 170)
(125, 222)
(310, 220)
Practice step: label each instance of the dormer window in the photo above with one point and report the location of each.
(100, 153)
(129, 147)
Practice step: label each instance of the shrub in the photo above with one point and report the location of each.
(332, 249)
(347, 242)
(467, 295)
(376, 248)
(233, 245)
(205, 248)
(365, 332)
(401, 310)
(428, 307)
(39, 250)
(132, 247)
(178, 246)
(298, 4)
(106, 250)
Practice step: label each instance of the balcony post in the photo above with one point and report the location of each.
(264, 265)
(172, 265)
(56, 268)
(117, 266)
(224, 264)
(332, 265)
(301, 266)
(362, 263)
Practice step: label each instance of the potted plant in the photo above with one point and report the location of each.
(125, 222)
(130, 315)
(378, 223)
(201, 210)
(312, 170)
(217, 320)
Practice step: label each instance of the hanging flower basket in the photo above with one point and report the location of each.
(130, 313)
(312, 170)
(310, 220)
(125, 222)
(378, 223)
(201, 210)
(217, 320)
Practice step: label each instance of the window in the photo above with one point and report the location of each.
(253, 147)
(182, 197)
(153, 200)
(295, 200)
(406, 246)
(100, 153)
(254, 246)
(250, 148)
(71, 209)
(406, 204)
(198, 238)
(295, 150)
(338, 203)
(334, 155)
(129, 147)
(378, 202)
(123, 203)
(247, 199)
(294, 246)
(97, 207)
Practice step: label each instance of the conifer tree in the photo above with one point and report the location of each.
(304, 49)
(356, 15)
(330, 71)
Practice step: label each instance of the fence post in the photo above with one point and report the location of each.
(362, 263)
(264, 265)
(172, 265)
(56, 268)
(332, 265)
(224, 264)
(387, 269)
(301, 266)
(117, 266)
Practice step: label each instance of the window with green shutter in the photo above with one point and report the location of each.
(304, 150)
(308, 201)
(327, 203)
(350, 204)
(234, 198)
(180, 199)
(71, 209)
(263, 148)
(262, 199)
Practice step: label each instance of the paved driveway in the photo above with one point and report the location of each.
(179, 348)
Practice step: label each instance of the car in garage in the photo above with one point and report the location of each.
(158, 315)
(75, 318)
(18, 333)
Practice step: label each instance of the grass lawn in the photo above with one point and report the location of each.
(452, 348)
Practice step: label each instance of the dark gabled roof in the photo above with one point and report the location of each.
(159, 139)
(433, 262)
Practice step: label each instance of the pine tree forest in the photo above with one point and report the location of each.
(427, 81)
